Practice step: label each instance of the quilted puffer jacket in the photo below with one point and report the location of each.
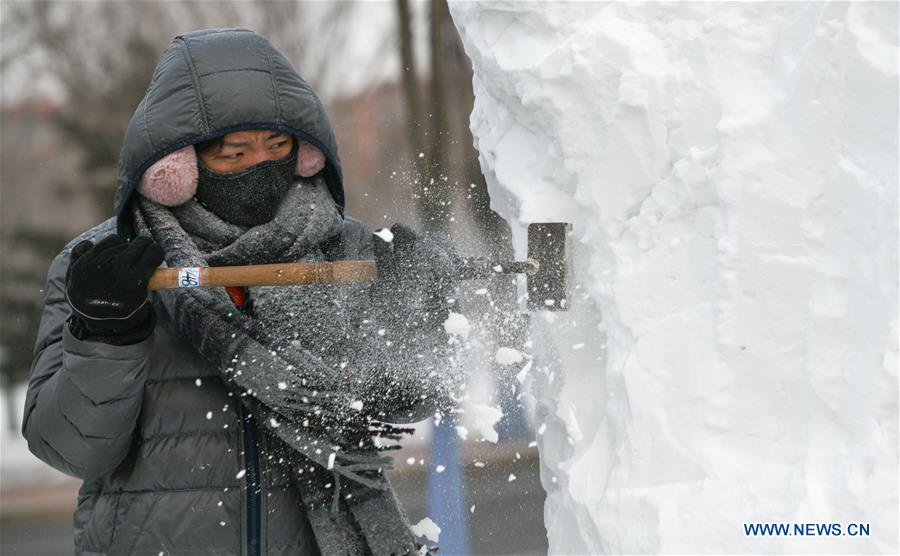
(171, 462)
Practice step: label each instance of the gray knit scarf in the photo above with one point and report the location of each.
(291, 356)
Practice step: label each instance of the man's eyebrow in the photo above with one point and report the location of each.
(245, 143)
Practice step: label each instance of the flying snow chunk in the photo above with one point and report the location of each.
(439, 469)
(385, 234)
(209, 415)
(198, 382)
(462, 432)
(357, 405)
(331, 457)
(240, 474)
(458, 325)
(428, 529)
(484, 417)
(524, 372)
(282, 385)
(410, 461)
(508, 356)
(511, 478)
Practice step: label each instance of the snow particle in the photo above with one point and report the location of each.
(356, 405)
(511, 478)
(410, 461)
(428, 529)
(240, 474)
(385, 234)
(462, 432)
(521, 376)
(484, 418)
(198, 382)
(209, 415)
(331, 458)
(457, 325)
(282, 385)
(439, 469)
(508, 356)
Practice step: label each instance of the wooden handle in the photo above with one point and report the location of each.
(281, 274)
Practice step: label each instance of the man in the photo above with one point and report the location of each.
(238, 421)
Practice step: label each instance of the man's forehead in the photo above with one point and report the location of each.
(250, 136)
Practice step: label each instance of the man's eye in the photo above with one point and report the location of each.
(279, 145)
(234, 156)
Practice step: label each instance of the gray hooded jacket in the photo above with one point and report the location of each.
(151, 428)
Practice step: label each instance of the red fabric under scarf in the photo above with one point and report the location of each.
(238, 295)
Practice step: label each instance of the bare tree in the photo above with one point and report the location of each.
(410, 77)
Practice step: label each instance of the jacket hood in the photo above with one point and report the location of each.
(212, 82)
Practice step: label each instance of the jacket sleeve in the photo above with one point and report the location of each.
(83, 397)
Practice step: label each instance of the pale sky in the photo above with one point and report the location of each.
(371, 21)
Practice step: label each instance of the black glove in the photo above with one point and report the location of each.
(106, 285)
(417, 277)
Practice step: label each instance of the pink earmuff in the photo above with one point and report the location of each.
(172, 180)
(310, 159)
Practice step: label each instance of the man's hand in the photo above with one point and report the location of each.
(417, 275)
(106, 285)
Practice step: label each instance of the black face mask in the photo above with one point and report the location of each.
(249, 197)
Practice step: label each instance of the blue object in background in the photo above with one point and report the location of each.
(513, 425)
(446, 491)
